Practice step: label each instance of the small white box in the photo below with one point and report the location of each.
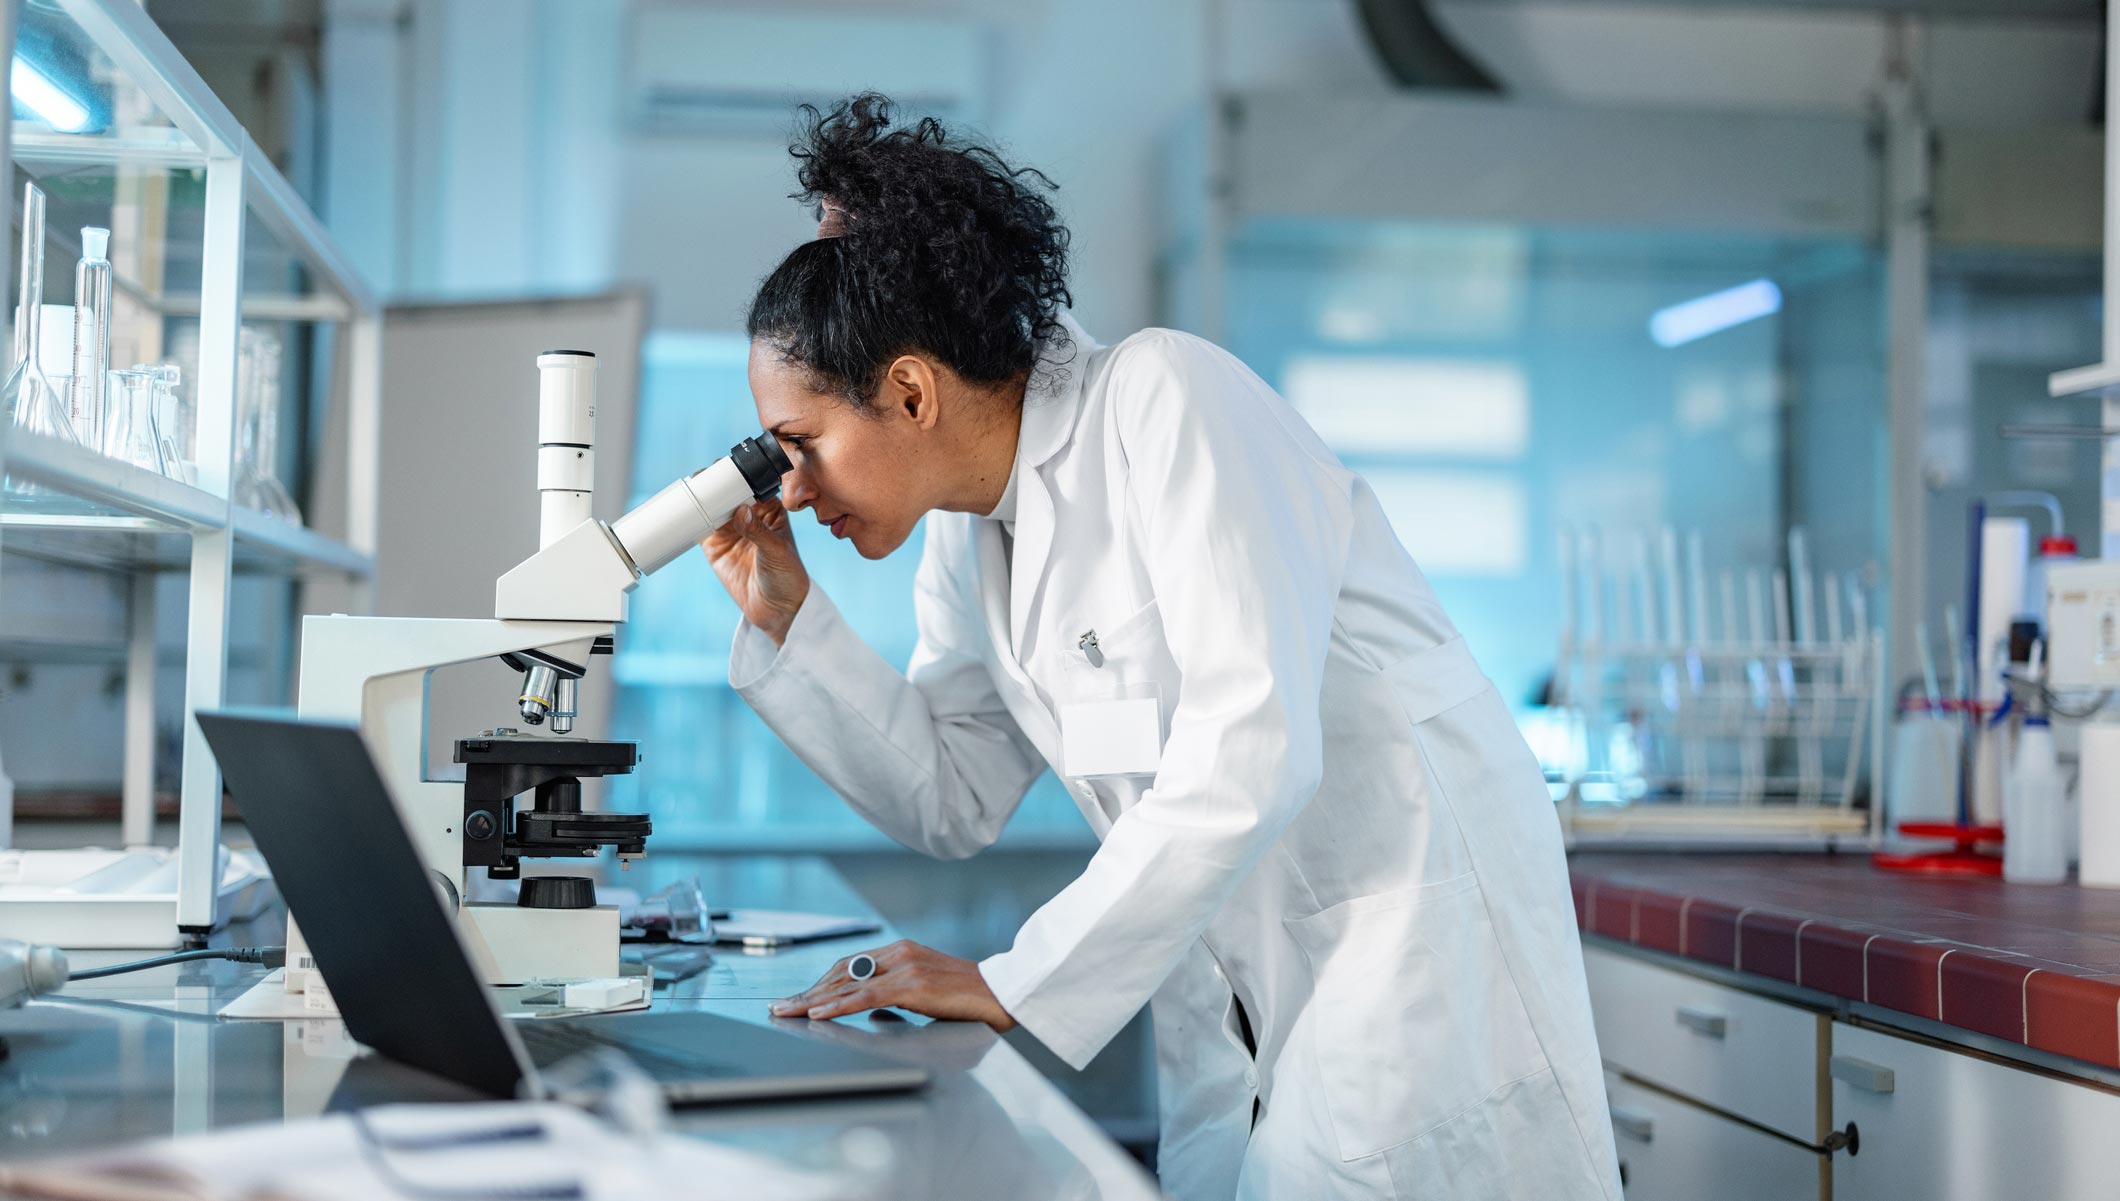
(2083, 625)
(607, 993)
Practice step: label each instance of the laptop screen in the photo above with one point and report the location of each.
(369, 909)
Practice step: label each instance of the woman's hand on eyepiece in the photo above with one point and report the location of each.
(754, 555)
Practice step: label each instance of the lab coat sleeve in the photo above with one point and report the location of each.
(1245, 520)
(930, 757)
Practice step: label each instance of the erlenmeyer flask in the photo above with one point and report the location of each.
(130, 431)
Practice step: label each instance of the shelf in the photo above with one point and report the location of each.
(268, 544)
(2098, 379)
(34, 143)
(101, 513)
(264, 546)
(104, 487)
(207, 228)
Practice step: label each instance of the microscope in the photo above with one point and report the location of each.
(552, 613)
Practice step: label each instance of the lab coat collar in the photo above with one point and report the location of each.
(1053, 398)
(1052, 402)
(1005, 508)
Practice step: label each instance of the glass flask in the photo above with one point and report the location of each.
(30, 399)
(130, 431)
(176, 421)
(258, 420)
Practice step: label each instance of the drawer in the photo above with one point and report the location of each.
(1942, 1125)
(1672, 1151)
(1754, 1057)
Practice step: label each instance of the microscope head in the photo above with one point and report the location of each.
(584, 568)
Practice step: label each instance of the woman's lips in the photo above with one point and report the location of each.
(839, 526)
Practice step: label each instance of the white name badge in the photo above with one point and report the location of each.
(1111, 738)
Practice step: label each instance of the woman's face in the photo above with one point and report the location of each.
(861, 471)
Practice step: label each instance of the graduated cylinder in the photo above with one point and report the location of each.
(566, 441)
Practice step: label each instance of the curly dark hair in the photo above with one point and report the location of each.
(944, 248)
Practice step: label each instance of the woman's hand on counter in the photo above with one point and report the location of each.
(754, 554)
(908, 976)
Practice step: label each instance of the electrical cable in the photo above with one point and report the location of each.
(269, 956)
(2051, 698)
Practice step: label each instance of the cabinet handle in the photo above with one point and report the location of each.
(1633, 1123)
(1703, 1021)
(1861, 1073)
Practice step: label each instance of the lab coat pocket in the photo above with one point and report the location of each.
(1114, 707)
(1101, 656)
(1418, 1018)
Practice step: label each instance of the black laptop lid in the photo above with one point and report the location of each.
(388, 948)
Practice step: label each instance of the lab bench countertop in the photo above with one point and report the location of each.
(2026, 965)
(143, 1056)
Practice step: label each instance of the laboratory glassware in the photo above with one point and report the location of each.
(1754, 732)
(131, 432)
(91, 336)
(30, 398)
(176, 421)
(258, 415)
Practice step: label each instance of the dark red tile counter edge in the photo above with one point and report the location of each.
(1706, 908)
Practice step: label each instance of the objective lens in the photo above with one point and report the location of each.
(540, 684)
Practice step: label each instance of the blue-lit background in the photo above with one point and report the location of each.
(1492, 383)
(714, 776)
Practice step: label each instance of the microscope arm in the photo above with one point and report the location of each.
(586, 573)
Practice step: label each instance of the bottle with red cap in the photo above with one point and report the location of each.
(2054, 548)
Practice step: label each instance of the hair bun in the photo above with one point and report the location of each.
(942, 247)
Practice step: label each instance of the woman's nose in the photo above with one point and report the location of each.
(796, 491)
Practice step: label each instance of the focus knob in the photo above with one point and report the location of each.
(557, 892)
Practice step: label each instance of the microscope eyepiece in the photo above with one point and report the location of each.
(674, 520)
(762, 462)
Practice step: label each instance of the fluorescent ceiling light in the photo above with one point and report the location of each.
(35, 91)
(1717, 311)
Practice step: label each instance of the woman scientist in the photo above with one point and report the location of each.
(1329, 865)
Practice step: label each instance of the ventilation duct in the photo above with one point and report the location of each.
(1415, 51)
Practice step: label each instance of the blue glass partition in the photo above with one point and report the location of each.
(1495, 384)
(716, 777)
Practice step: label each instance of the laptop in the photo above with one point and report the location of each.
(398, 969)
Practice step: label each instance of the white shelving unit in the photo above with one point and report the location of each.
(215, 215)
(2102, 380)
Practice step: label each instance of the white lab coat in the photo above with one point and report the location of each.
(1346, 835)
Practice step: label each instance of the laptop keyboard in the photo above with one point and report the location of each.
(550, 1041)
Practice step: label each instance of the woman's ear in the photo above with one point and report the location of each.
(910, 391)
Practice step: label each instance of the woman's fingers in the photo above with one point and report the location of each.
(834, 975)
(853, 999)
(835, 981)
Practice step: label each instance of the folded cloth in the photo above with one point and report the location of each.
(544, 1150)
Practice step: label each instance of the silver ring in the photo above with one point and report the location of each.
(862, 966)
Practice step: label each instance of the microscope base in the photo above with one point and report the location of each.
(514, 945)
